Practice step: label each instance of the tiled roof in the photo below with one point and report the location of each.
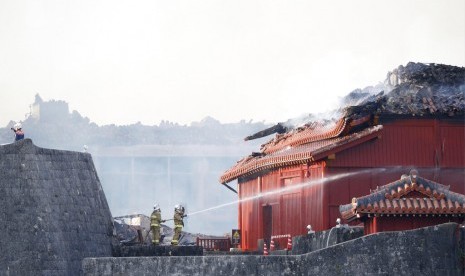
(300, 153)
(304, 135)
(409, 195)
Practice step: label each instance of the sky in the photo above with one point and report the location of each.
(122, 62)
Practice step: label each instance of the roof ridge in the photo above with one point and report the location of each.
(305, 135)
(296, 155)
(397, 190)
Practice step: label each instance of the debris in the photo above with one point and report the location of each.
(278, 128)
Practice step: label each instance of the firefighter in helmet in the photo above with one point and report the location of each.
(155, 224)
(19, 134)
(178, 223)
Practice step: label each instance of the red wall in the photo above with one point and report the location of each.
(292, 209)
(419, 143)
(248, 214)
(435, 148)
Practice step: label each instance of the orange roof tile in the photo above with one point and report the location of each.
(304, 135)
(294, 154)
(430, 198)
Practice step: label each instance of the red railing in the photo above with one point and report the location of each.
(214, 244)
(286, 241)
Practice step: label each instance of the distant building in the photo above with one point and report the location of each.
(302, 176)
(50, 111)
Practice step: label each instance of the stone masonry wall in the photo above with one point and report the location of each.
(437, 250)
(319, 240)
(53, 212)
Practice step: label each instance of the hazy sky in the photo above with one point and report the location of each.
(181, 60)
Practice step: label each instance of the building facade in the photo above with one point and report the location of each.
(292, 184)
(414, 120)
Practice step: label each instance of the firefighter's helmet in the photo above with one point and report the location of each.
(156, 207)
(179, 208)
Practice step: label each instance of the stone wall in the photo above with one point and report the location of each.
(437, 250)
(319, 240)
(151, 250)
(53, 212)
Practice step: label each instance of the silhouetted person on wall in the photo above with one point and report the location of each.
(19, 134)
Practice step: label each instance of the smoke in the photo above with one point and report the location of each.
(329, 118)
(416, 88)
(305, 119)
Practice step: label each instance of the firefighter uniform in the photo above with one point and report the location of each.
(155, 224)
(178, 223)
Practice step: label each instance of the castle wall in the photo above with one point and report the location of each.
(53, 212)
(434, 250)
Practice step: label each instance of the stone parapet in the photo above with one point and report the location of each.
(434, 250)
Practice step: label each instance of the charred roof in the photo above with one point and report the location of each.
(417, 89)
(414, 90)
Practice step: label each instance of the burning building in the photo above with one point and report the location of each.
(415, 119)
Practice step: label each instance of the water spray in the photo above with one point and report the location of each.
(290, 188)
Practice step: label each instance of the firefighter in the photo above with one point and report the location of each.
(155, 224)
(19, 134)
(178, 223)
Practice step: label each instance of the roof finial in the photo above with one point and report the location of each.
(413, 175)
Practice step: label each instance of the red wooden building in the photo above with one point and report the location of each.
(302, 176)
(409, 203)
